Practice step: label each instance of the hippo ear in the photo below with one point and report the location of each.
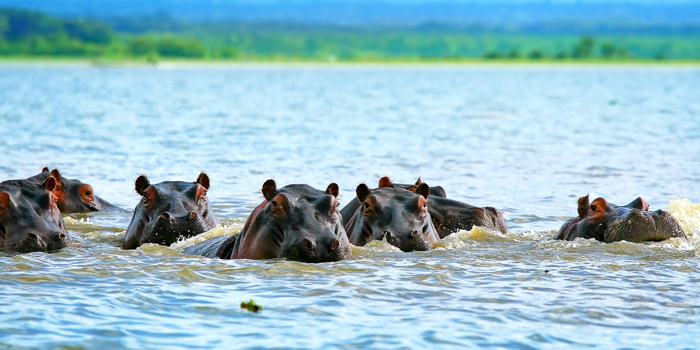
(141, 184)
(44, 169)
(424, 190)
(384, 182)
(419, 181)
(362, 192)
(50, 183)
(269, 188)
(5, 202)
(638, 203)
(56, 174)
(583, 207)
(599, 203)
(333, 189)
(203, 179)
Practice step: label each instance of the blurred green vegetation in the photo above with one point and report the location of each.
(32, 34)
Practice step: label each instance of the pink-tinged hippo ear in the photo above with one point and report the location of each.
(333, 189)
(268, 189)
(638, 203)
(203, 179)
(56, 174)
(599, 205)
(583, 207)
(424, 190)
(141, 184)
(384, 182)
(362, 192)
(46, 168)
(50, 183)
(419, 181)
(5, 202)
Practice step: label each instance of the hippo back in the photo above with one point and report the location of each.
(218, 247)
(450, 216)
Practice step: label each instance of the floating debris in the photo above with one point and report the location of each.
(251, 306)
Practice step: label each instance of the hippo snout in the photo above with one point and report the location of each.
(168, 227)
(35, 242)
(317, 249)
(413, 241)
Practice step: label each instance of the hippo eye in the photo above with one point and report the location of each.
(593, 208)
(88, 193)
(366, 205)
(273, 204)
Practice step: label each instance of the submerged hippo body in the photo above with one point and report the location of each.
(168, 211)
(607, 222)
(73, 195)
(29, 217)
(399, 215)
(450, 216)
(296, 222)
(349, 209)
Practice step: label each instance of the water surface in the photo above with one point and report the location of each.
(528, 140)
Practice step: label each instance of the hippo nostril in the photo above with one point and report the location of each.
(166, 216)
(307, 243)
(33, 236)
(193, 215)
(335, 245)
(425, 229)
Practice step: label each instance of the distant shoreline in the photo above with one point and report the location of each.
(10, 60)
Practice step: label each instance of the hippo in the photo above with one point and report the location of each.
(169, 210)
(73, 195)
(349, 209)
(400, 215)
(295, 222)
(450, 216)
(607, 222)
(29, 217)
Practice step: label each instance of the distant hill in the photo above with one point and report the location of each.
(499, 13)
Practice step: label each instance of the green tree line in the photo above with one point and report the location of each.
(26, 33)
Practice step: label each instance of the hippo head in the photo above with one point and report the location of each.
(29, 217)
(397, 214)
(306, 222)
(607, 222)
(73, 195)
(169, 210)
(437, 191)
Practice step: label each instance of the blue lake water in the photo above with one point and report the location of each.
(528, 140)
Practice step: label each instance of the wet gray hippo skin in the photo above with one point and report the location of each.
(169, 210)
(296, 222)
(73, 195)
(29, 217)
(607, 222)
(399, 215)
(349, 209)
(450, 216)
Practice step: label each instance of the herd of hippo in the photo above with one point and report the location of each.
(296, 221)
